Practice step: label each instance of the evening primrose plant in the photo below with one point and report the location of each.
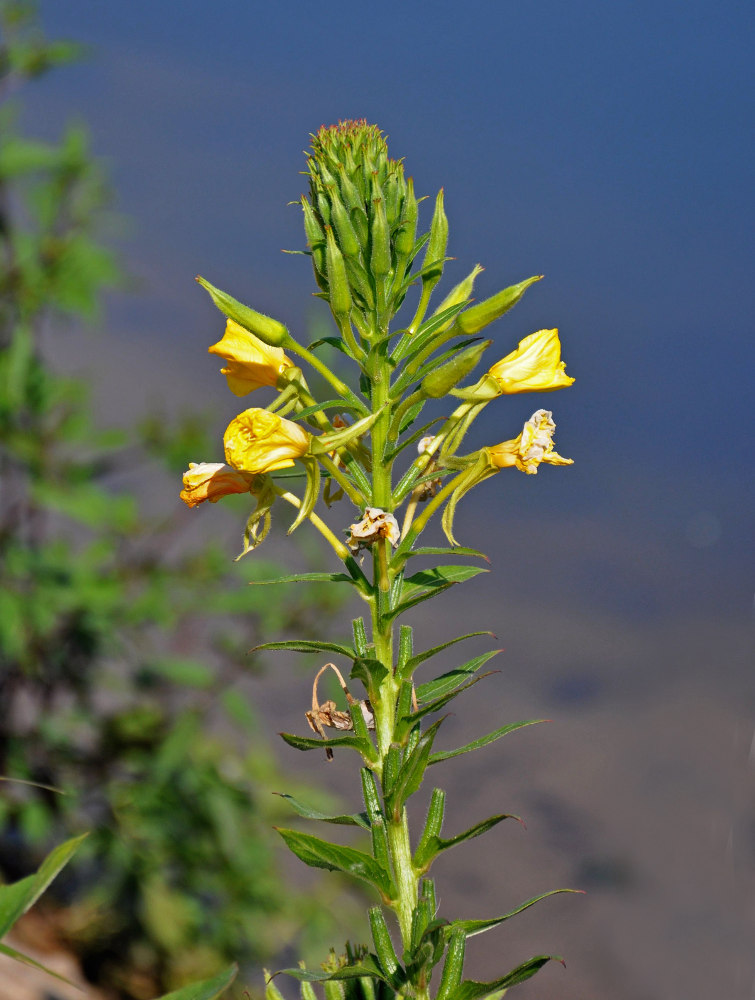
(368, 445)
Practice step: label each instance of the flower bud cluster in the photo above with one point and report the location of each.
(361, 217)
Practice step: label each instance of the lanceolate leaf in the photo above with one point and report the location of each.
(315, 743)
(413, 601)
(472, 927)
(355, 819)
(453, 678)
(439, 576)
(471, 990)
(306, 578)
(335, 857)
(407, 721)
(17, 898)
(367, 967)
(208, 989)
(414, 661)
(483, 741)
(5, 949)
(445, 550)
(309, 646)
(409, 778)
(434, 845)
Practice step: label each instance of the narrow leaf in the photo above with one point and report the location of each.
(412, 771)
(471, 990)
(439, 576)
(335, 857)
(450, 681)
(208, 989)
(433, 846)
(308, 646)
(414, 662)
(472, 927)
(5, 949)
(446, 550)
(305, 578)
(17, 898)
(414, 601)
(315, 743)
(367, 966)
(483, 741)
(355, 819)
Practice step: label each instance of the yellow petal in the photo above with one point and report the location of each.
(251, 363)
(258, 441)
(533, 446)
(211, 481)
(535, 366)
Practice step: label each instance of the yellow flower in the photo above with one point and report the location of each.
(258, 441)
(533, 446)
(211, 481)
(251, 363)
(535, 366)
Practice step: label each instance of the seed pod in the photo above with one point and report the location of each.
(383, 944)
(433, 826)
(440, 382)
(477, 317)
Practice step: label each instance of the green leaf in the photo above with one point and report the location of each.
(367, 967)
(208, 989)
(472, 927)
(309, 646)
(414, 601)
(439, 576)
(315, 743)
(449, 681)
(17, 898)
(446, 550)
(483, 741)
(335, 857)
(356, 819)
(305, 578)
(5, 949)
(472, 990)
(410, 775)
(369, 671)
(414, 661)
(433, 846)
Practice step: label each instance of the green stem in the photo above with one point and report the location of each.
(341, 388)
(349, 489)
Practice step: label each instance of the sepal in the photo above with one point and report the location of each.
(475, 474)
(311, 493)
(269, 330)
(325, 443)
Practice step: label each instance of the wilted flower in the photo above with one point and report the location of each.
(258, 441)
(533, 446)
(251, 363)
(211, 481)
(535, 366)
(423, 445)
(375, 524)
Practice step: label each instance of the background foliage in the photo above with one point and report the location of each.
(110, 674)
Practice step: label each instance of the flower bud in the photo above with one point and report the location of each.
(436, 245)
(338, 283)
(403, 241)
(315, 240)
(269, 330)
(347, 237)
(477, 317)
(458, 294)
(440, 382)
(380, 257)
